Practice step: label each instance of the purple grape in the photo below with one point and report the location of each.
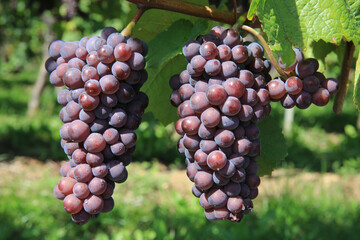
(331, 85)
(216, 160)
(120, 70)
(305, 68)
(87, 102)
(229, 69)
(208, 146)
(191, 171)
(100, 170)
(303, 100)
(125, 93)
(199, 102)
(81, 190)
(235, 204)
(57, 193)
(92, 59)
(216, 95)
(117, 170)
(311, 84)
(79, 156)
(82, 173)
(103, 69)
(321, 97)
(55, 47)
(89, 72)
(208, 50)
(276, 88)
(114, 39)
(228, 170)
(203, 180)
(97, 186)
(190, 49)
(212, 67)
(231, 38)
(108, 205)
(95, 143)
(219, 179)
(256, 49)
(242, 146)
(190, 125)
(72, 204)
(118, 118)
(288, 101)
(239, 53)
(217, 198)
(224, 138)
(206, 132)
(99, 125)
(93, 204)
(136, 61)
(229, 122)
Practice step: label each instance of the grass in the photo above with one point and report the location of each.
(156, 203)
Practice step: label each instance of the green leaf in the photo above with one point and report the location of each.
(273, 146)
(201, 26)
(253, 8)
(356, 96)
(298, 23)
(154, 21)
(168, 43)
(164, 60)
(158, 90)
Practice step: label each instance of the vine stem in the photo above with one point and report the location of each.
(189, 9)
(127, 30)
(344, 77)
(267, 50)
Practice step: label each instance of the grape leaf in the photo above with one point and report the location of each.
(356, 96)
(253, 8)
(168, 43)
(298, 23)
(320, 50)
(154, 21)
(273, 146)
(164, 60)
(158, 90)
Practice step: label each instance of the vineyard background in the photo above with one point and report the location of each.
(313, 193)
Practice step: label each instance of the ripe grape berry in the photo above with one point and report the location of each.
(102, 108)
(218, 115)
(304, 86)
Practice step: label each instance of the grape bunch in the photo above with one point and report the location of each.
(304, 86)
(219, 98)
(102, 106)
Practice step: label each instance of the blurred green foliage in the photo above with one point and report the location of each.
(23, 29)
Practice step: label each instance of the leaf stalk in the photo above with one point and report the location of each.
(267, 50)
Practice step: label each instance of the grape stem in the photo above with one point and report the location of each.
(267, 50)
(189, 9)
(235, 10)
(344, 77)
(127, 30)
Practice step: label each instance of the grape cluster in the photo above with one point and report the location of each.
(219, 98)
(304, 86)
(102, 108)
